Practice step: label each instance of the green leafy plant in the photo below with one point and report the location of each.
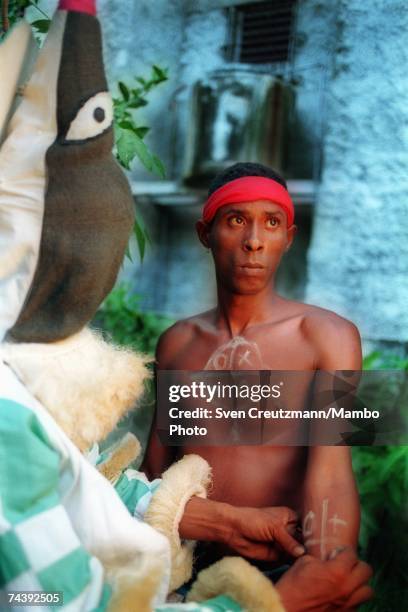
(120, 317)
(13, 10)
(128, 135)
(382, 481)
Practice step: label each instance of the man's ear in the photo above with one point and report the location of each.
(291, 232)
(203, 231)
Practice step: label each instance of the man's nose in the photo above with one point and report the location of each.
(253, 241)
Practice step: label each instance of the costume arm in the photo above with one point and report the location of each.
(176, 507)
(230, 585)
(39, 548)
(187, 478)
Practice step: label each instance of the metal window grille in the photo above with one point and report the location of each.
(261, 32)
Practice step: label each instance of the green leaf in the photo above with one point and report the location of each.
(125, 146)
(137, 102)
(129, 145)
(124, 90)
(371, 360)
(128, 254)
(126, 124)
(41, 25)
(150, 161)
(159, 74)
(158, 167)
(140, 236)
(142, 131)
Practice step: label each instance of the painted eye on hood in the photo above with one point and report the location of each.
(93, 118)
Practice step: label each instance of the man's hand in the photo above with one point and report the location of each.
(325, 586)
(257, 533)
(262, 533)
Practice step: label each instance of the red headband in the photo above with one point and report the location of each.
(249, 189)
(80, 6)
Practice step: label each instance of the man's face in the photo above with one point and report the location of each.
(247, 241)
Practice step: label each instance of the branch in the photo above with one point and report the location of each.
(4, 15)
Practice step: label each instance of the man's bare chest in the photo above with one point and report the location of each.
(262, 349)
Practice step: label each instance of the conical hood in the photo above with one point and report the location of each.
(66, 210)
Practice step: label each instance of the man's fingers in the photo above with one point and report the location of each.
(261, 552)
(256, 550)
(345, 558)
(356, 585)
(359, 596)
(293, 517)
(360, 574)
(288, 543)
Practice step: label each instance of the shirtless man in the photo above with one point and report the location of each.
(248, 226)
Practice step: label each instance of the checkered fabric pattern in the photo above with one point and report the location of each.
(222, 603)
(132, 486)
(39, 548)
(136, 491)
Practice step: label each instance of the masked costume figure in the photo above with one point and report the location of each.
(66, 213)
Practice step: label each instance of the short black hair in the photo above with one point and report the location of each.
(242, 169)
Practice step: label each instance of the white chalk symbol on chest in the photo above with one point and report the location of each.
(236, 354)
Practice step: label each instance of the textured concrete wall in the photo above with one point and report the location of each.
(205, 33)
(312, 59)
(136, 36)
(358, 261)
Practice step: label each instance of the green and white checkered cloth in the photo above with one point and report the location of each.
(55, 508)
(136, 492)
(222, 603)
(39, 549)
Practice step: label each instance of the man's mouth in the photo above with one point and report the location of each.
(252, 266)
(251, 269)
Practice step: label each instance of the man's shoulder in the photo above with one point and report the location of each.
(317, 321)
(185, 328)
(180, 334)
(335, 339)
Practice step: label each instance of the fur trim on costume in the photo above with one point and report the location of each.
(189, 476)
(235, 577)
(120, 457)
(133, 587)
(85, 383)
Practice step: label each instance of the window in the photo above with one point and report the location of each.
(261, 32)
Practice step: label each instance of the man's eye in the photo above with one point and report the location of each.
(236, 220)
(272, 222)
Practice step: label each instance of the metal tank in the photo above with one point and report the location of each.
(236, 116)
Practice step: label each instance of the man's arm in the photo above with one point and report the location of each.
(251, 532)
(331, 511)
(159, 457)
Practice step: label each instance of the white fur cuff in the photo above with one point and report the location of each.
(235, 577)
(188, 477)
(85, 383)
